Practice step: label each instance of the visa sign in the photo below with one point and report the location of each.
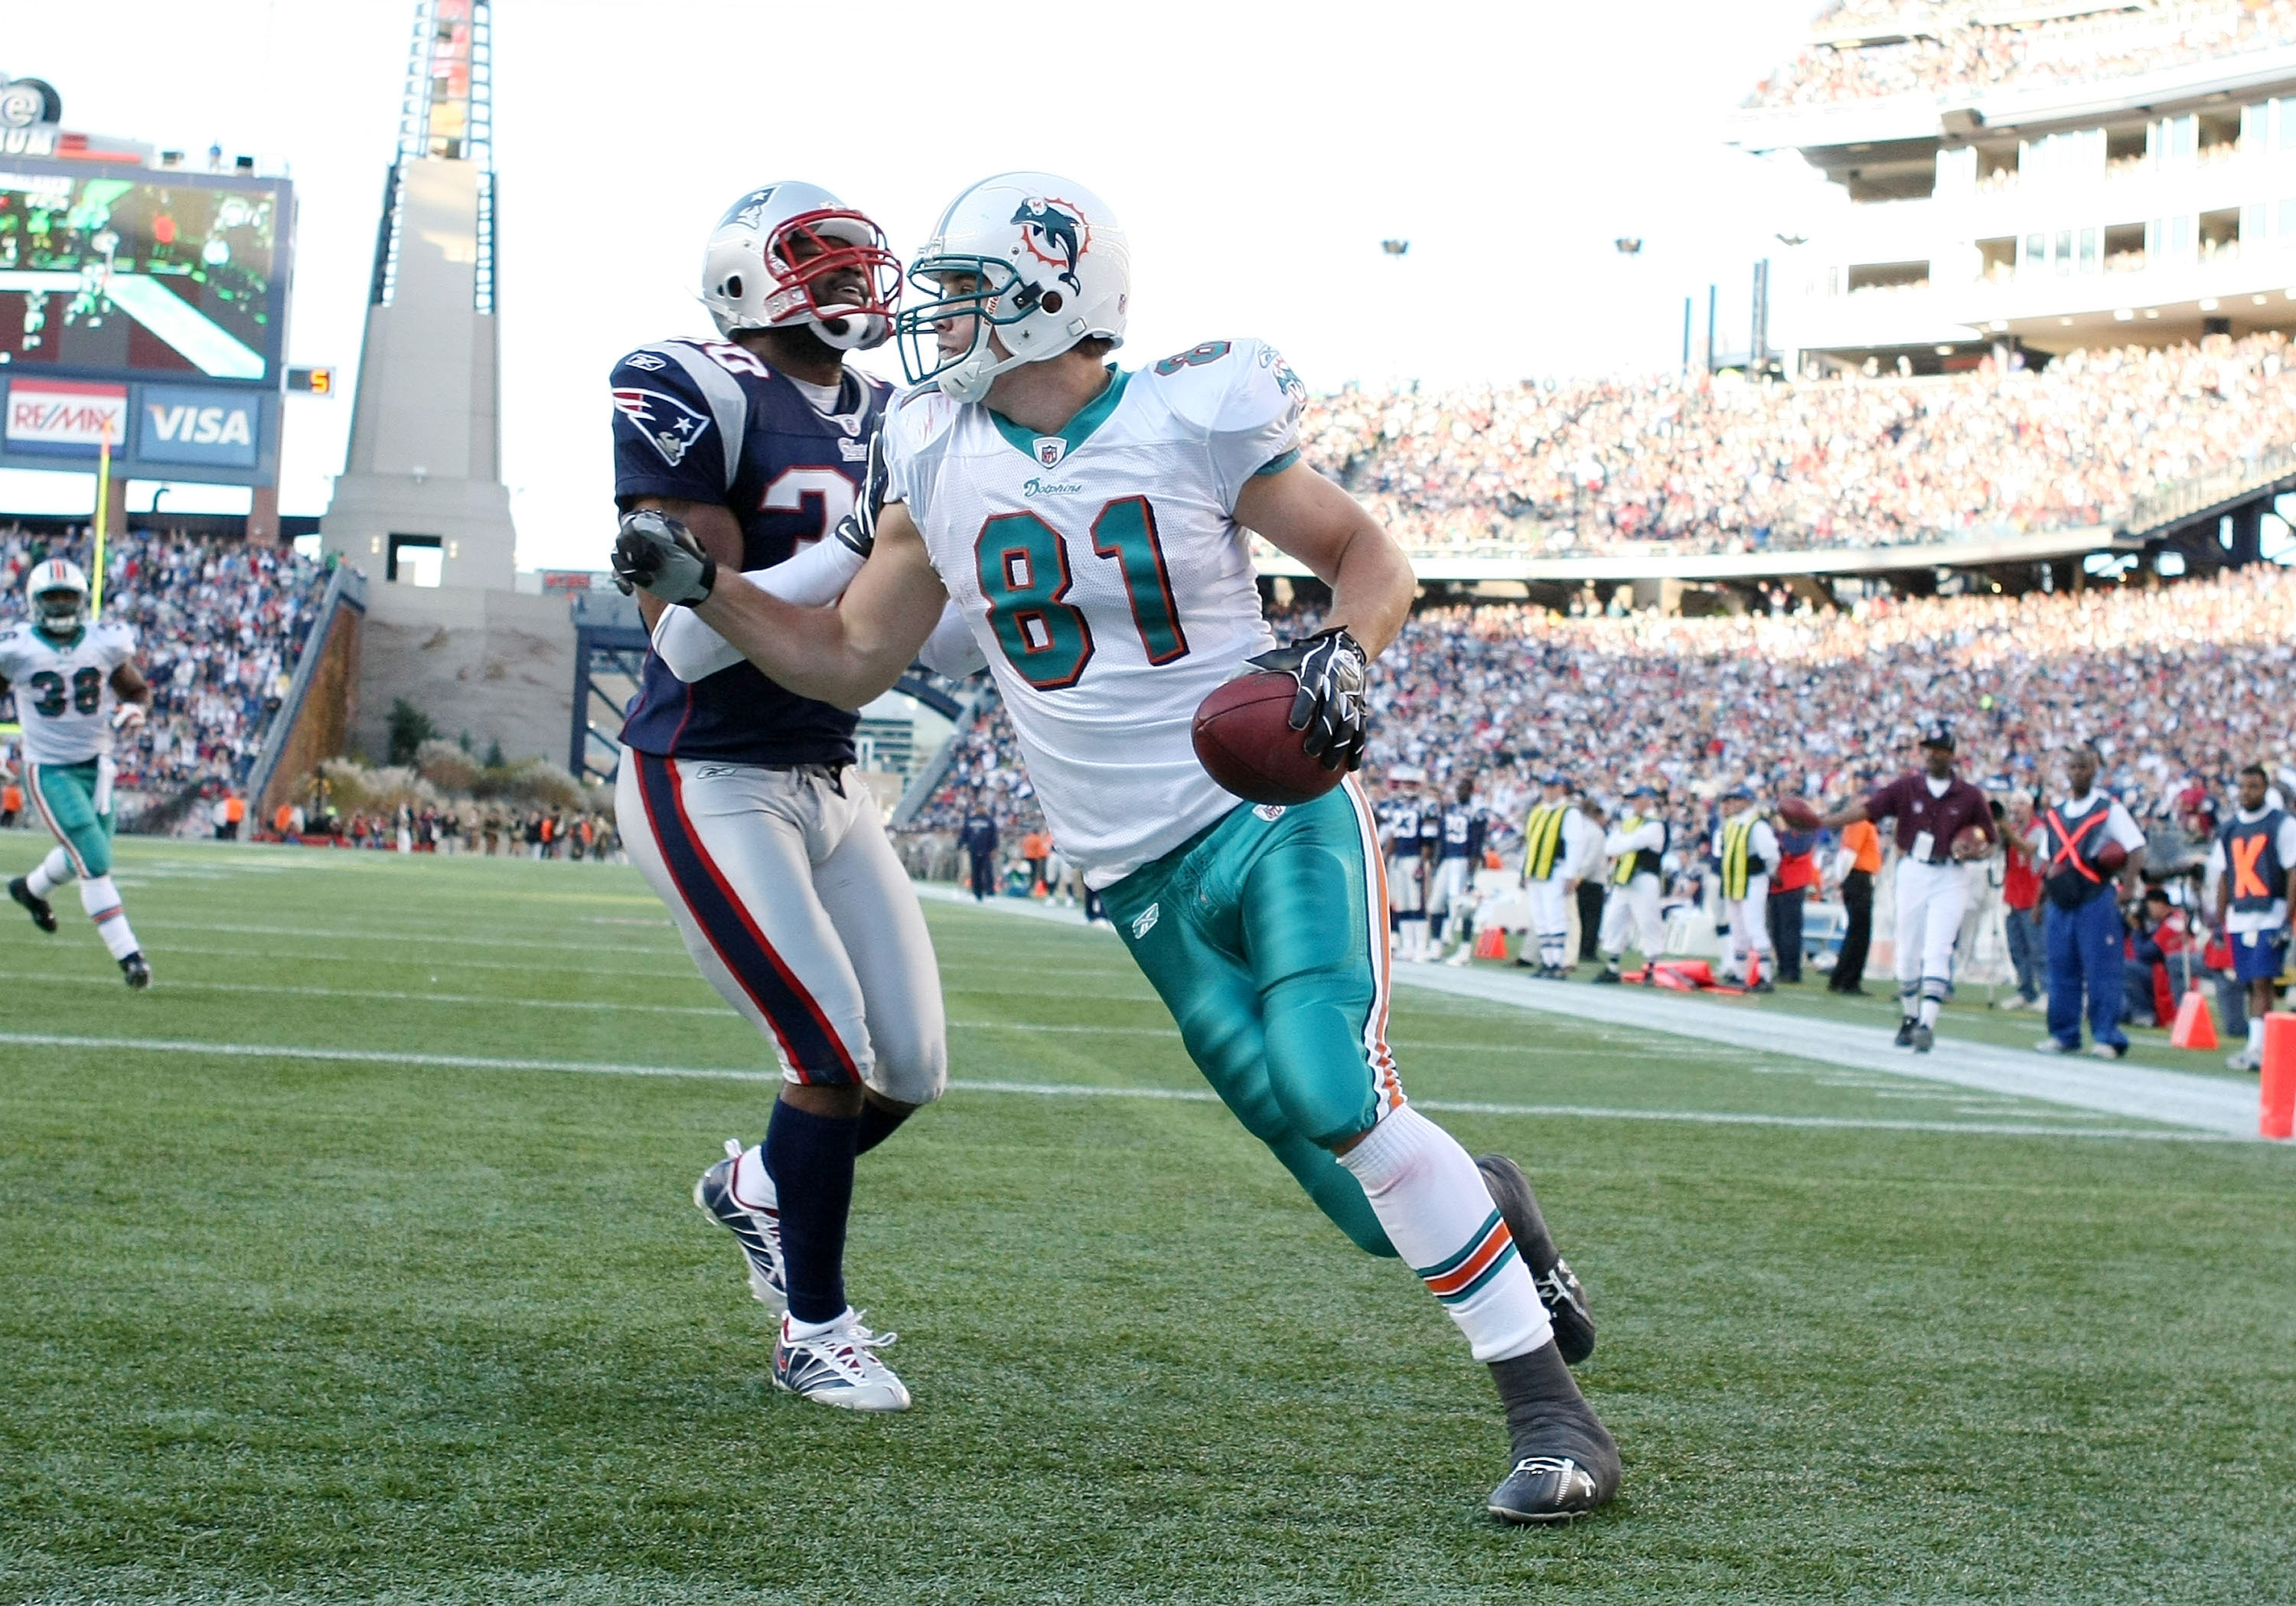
(178, 425)
(59, 418)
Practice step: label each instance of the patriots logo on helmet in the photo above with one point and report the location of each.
(1057, 234)
(670, 426)
(750, 210)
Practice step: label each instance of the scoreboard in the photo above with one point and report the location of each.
(149, 304)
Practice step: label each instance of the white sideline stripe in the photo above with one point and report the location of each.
(602, 944)
(1057, 1090)
(2113, 1088)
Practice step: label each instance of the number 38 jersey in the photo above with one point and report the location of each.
(64, 693)
(1106, 579)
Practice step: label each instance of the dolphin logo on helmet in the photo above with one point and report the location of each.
(1062, 229)
(57, 592)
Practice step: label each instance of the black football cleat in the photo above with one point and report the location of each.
(1558, 1286)
(1905, 1033)
(1609, 978)
(43, 917)
(1566, 1464)
(1764, 986)
(137, 970)
(1923, 1038)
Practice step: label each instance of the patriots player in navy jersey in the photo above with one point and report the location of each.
(736, 796)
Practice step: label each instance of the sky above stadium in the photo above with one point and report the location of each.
(1257, 154)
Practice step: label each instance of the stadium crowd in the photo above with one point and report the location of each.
(218, 625)
(2176, 687)
(1949, 45)
(1699, 466)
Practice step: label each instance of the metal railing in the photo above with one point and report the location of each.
(2230, 482)
(928, 777)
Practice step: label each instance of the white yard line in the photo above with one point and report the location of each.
(476, 1062)
(2113, 1088)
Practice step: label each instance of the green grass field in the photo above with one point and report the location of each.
(307, 1295)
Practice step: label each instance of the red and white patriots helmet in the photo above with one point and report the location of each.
(57, 592)
(1047, 265)
(792, 253)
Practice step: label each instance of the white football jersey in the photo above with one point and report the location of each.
(64, 693)
(1104, 573)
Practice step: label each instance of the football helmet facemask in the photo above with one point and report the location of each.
(57, 592)
(787, 254)
(1036, 260)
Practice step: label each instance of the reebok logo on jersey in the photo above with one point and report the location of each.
(1145, 920)
(645, 361)
(1052, 488)
(670, 425)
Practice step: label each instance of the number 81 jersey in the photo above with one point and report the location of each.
(1105, 577)
(63, 693)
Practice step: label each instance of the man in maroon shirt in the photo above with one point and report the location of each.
(1931, 806)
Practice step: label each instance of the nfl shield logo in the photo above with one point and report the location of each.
(1051, 450)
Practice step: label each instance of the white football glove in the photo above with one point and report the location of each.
(128, 716)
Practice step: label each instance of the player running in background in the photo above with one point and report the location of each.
(1091, 525)
(1637, 846)
(76, 684)
(737, 798)
(1402, 829)
(1932, 807)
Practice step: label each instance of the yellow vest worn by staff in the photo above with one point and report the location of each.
(1542, 839)
(1623, 871)
(1738, 860)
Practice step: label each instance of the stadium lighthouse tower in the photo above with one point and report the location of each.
(2131, 180)
(421, 505)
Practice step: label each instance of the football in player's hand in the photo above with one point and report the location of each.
(2110, 859)
(1799, 812)
(1244, 740)
(1971, 842)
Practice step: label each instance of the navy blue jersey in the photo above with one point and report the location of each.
(793, 475)
(1463, 832)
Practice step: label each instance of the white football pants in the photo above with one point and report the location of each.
(1405, 894)
(1630, 918)
(1550, 919)
(1931, 899)
(1449, 880)
(1750, 928)
(792, 903)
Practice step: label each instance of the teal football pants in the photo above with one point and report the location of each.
(1266, 934)
(65, 797)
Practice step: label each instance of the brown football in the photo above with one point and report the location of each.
(1799, 812)
(1244, 740)
(1971, 842)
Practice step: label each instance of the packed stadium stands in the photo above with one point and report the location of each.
(1869, 48)
(1695, 466)
(2177, 687)
(218, 625)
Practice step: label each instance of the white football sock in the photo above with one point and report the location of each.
(1439, 1215)
(753, 1184)
(101, 898)
(2255, 1038)
(795, 1329)
(54, 871)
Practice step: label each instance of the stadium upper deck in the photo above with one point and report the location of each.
(2048, 176)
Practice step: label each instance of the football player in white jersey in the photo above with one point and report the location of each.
(76, 682)
(1090, 524)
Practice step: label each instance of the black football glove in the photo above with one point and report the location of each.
(858, 530)
(658, 555)
(1333, 673)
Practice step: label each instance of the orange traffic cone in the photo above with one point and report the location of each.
(2195, 1027)
(1490, 943)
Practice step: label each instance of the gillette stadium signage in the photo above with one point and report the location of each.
(30, 111)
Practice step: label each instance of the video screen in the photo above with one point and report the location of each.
(156, 273)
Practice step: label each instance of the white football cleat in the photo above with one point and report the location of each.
(839, 1366)
(756, 1227)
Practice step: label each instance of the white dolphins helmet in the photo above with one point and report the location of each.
(57, 592)
(1049, 266)
(786, 254)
